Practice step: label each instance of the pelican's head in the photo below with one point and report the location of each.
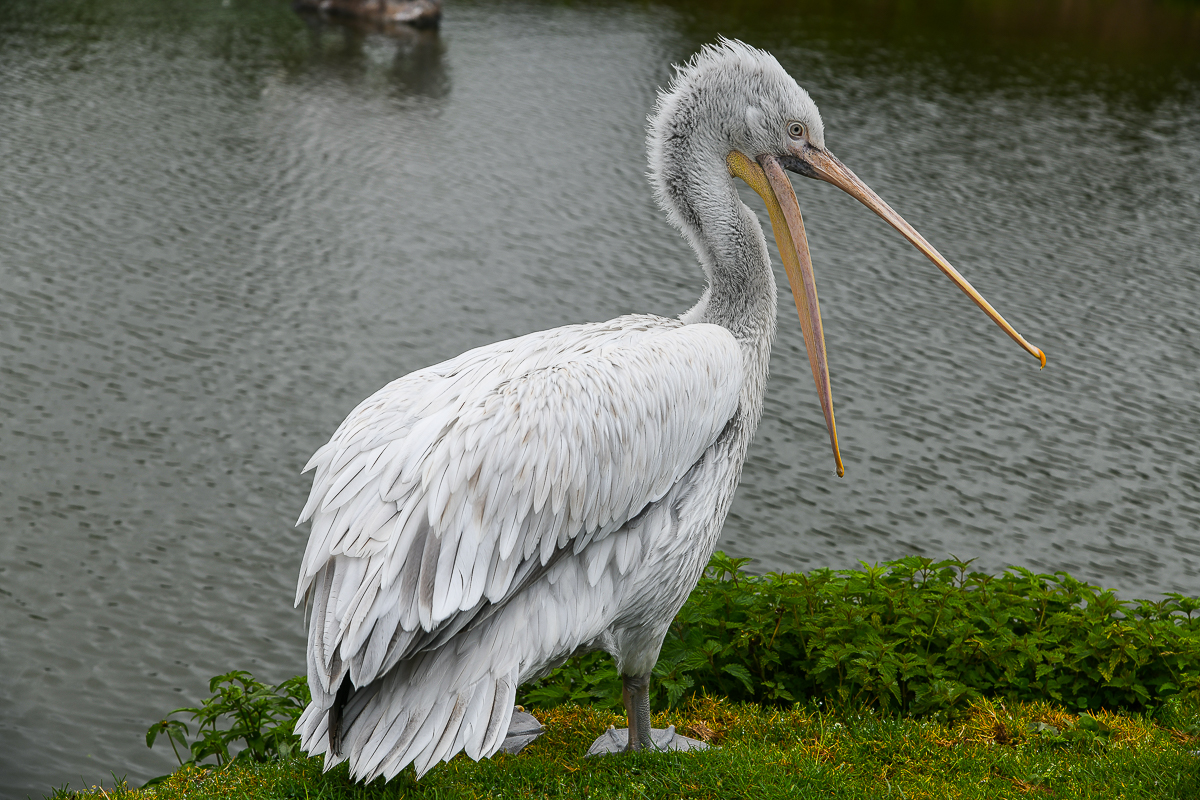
(734, 111)
(728, 97)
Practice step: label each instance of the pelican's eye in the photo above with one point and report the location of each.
(796, 130)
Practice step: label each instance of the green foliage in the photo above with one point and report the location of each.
(912, 636)
(260, 716)
(585, 681)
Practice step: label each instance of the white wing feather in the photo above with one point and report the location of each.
(437, 490)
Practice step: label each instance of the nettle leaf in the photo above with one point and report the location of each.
(675, 689)
(741, 673)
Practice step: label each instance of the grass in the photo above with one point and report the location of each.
(995, 750)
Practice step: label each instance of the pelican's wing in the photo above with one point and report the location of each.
(446, 489)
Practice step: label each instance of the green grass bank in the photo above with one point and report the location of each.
(994, 750)
(914, 678)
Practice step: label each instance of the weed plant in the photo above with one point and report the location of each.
(242, 710)
(913, 636)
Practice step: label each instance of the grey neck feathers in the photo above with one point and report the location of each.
(741, 293)
(731, 248)
(694, 187)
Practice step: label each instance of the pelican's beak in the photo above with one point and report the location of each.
(773, 186)
(814, 162)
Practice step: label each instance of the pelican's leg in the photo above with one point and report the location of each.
(635, 693)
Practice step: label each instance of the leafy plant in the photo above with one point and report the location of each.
(913, 636)
(583, 681)
(260, 716)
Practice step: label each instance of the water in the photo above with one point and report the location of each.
(222, 225)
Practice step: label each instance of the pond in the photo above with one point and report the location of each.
(223, 224)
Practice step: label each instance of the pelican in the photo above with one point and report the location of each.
(415, 13)
(477, 522)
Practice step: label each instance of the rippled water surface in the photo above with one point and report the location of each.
(221, 225)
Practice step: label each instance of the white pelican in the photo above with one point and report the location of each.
(477, 522)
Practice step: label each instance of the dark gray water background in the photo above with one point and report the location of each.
(222, 225)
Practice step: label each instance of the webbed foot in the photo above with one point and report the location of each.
(523, 728)
(616, 740)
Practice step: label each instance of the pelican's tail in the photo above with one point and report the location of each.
(423, 711)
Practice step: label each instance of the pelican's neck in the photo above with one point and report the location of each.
(732, 250)
(733, 253)
(694, 187)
